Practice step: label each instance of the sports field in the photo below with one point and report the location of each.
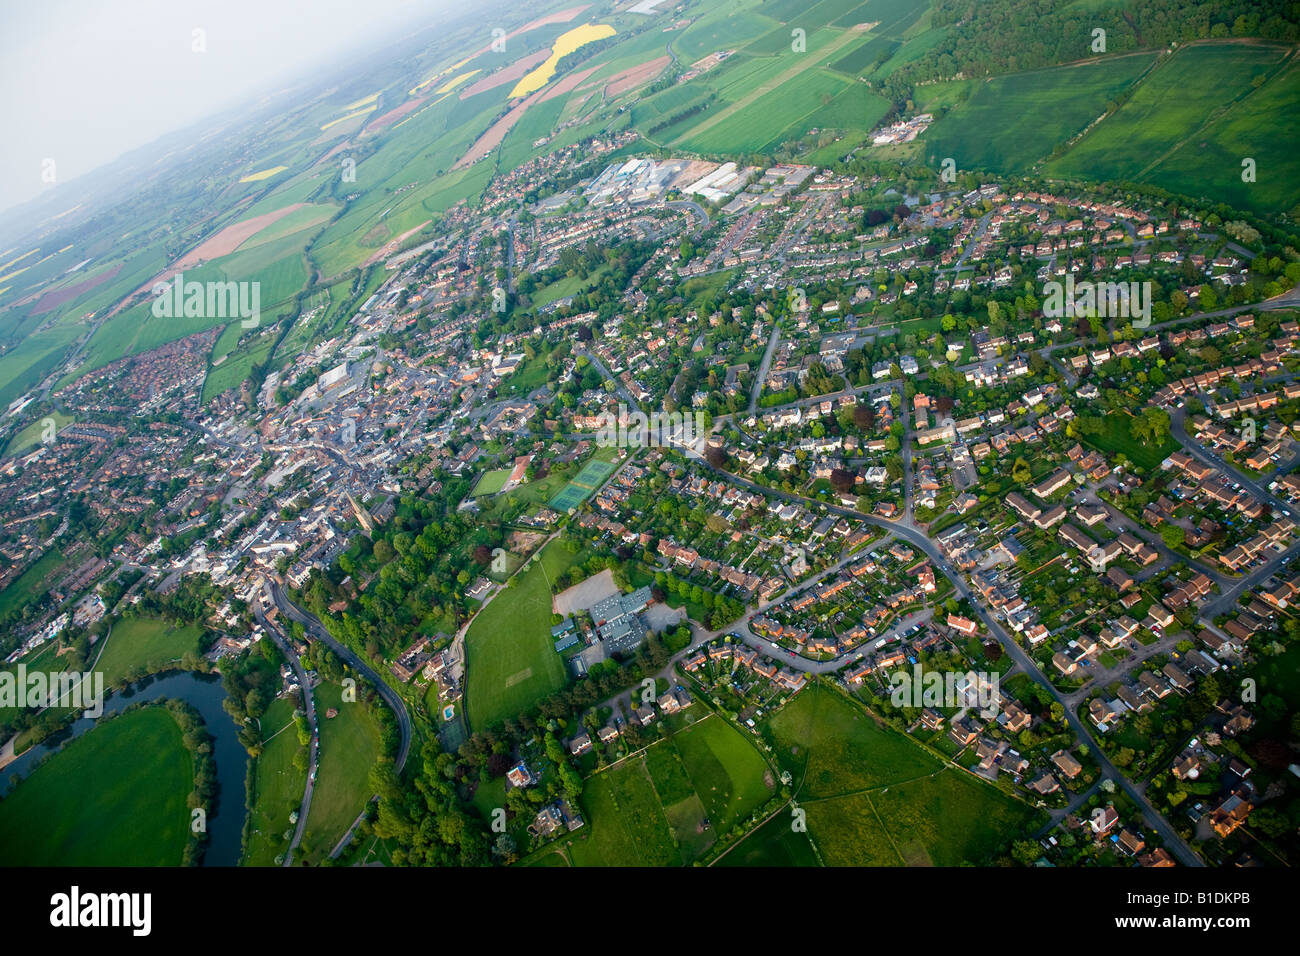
(581, 487)
(490, 482)
(115, 796)
(511, 661)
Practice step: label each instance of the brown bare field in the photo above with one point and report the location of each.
(495, 133)
(223, 243)
(514, 72)
(393, 115)
(630, 79)
(52, 300)
(391, 246)
(695, 169)
(491, 139)
(565, 85)
(560, 16)
(334, 151)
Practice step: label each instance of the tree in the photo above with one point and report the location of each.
(505, 848)
(1151, 425)
(842, 481)
(1173, 536)
(1025, 852)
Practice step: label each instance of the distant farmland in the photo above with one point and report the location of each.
(1011, 122)
(1168, 109)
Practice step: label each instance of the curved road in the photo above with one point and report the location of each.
(316, 629)
(309, 705)
(911, 534)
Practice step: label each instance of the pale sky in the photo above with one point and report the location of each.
(83, 81)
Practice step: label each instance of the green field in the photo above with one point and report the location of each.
(626, 825)
(724, 769)
(831, 746)
(776, 116)
(875, 798)
(775, 843)
(135, 646)
(279, 786)
(32, 435)
(1169, 108)
(1115, 437)
(236, 366)
(670, 804)
(31, 582)
(1210, 162)
(1030, 112)
(115, 796)
(349, 748)
(727, 25)
(511, 661)
(145, 643)
(490, 482)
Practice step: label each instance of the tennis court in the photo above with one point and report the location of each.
(580, 488)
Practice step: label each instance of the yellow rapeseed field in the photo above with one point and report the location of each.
(258, 176)
(565, 44)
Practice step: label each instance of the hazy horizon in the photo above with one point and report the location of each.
(82, 80)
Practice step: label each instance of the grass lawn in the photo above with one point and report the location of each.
(626, 825)
(145, 642)
(279, 786)
(31, 436)
(115, 796)
(490, 482)
(726, 770)
(875, 798)
(1115, 437)
(512, 662)
(31, 582)
(775, 843)
(349, 747)
(566, 286)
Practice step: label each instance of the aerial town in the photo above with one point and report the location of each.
(659, 508)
